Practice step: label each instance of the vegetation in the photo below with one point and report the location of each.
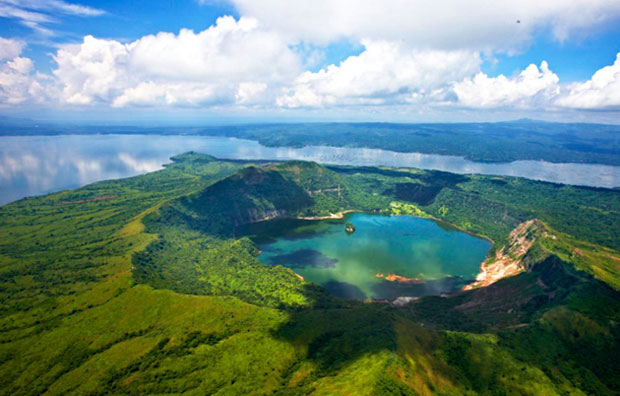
(482, 142)
(155, 291)
(349, 228)
(188, 261)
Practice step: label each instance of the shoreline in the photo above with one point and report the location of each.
(492, 242)
(332, 216)
(340, 215)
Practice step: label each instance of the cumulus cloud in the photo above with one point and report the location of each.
(438, 24)
(602, 91)
(234, 60)
(385, 72)
(250, 92)
(532, 85)
(92, 70)
(9, 49)
(416, 55)
(18, 81)
(173, 94)
(394, 74)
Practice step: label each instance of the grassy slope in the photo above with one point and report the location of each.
(73, 319)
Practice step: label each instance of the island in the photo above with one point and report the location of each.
(155, 290)
(349, 228)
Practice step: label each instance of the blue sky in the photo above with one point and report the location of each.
(574, 60)
(191, 60)
(121, 20)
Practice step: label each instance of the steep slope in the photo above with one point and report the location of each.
(261, 193)
(551, 318)
(513, 257)
(253, 194)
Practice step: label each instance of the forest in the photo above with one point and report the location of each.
(157, 290)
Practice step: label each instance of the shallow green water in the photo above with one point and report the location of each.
(443, 259)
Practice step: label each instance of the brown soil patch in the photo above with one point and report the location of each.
(398, 278)
(103, 198)
(508, 260)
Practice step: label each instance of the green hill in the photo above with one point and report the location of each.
(151, 291)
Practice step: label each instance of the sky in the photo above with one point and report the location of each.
(227, 61)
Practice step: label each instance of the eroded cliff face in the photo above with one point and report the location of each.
(513, 257)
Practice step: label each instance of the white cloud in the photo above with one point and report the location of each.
(18, 82)
(385, 72)
(54, 6)
(68, 8)
(37, 13)
(532, 85)
(438, 24)
(20, 65)
(173, 94)
(9, 49)
(92, 71)
(602, 91)
(230, 49)
(249, 92)
(417, 55)
(232, 60)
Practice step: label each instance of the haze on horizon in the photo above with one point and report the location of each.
(241, 60)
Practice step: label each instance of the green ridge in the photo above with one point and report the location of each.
(148, 292)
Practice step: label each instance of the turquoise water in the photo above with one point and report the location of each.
(440, 258)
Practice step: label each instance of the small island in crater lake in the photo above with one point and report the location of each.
(349, 228)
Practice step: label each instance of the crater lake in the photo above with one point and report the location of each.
(386, 256)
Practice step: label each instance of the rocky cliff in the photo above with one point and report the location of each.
(514, 257)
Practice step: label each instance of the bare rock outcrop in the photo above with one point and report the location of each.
(510, 259)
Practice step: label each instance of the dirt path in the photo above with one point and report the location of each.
(103, 198)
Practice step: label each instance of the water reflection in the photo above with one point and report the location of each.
(386, 257)
(32, 165)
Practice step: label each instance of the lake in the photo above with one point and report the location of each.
(34, 165)
(385, 257)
